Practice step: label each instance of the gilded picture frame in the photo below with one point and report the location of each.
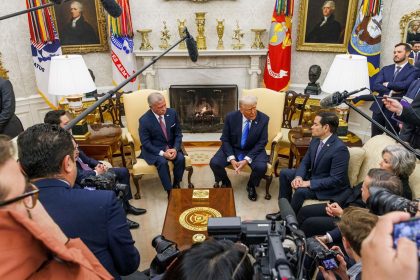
(92, 24)
(312, 35)
(410, 27)
(3, 71)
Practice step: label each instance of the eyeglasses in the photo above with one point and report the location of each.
(242, 248)
(30, 191)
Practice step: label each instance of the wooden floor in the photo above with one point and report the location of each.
(154, 199)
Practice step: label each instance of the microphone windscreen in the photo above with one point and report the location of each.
(328, 101)
(113, 9)
(286, 211)
(191, 46)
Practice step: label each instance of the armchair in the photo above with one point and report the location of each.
(135, 105)
(270, 103)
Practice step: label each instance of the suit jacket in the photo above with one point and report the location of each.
(257, 138)
(9, 122)
(26, 250)
(328, 175)
(97, 218)
(410, 131)
(152, 138)
(401, 84)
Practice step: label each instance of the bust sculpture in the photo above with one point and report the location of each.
(313, 87)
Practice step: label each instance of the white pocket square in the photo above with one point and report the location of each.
(173, 125)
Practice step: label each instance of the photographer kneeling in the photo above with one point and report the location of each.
(221, 260)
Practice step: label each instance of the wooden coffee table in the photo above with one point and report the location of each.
(182, 201)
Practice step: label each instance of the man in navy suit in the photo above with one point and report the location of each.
(47, 156)
(245, 134)
(408, 111)
(87, 166)
(161, 139)
(391, 80)
(415, 53)
(322, 174)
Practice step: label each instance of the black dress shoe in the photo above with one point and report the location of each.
(132, 224)
(252, 194)
(135, 211)
(216, 185)
(273, 216)
(176, 186)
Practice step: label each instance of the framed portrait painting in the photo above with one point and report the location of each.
(81, 26)
(325, 25)
(410, 27)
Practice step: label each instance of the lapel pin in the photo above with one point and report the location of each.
(328, 145)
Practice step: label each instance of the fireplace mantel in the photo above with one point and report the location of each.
(241, 67)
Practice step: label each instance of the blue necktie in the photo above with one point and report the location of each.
(321, 144)
(397, 71)
(245, 133)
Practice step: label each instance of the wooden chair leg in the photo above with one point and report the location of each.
(268, 180)
(276, 166)
(136, 179)
(190, 172)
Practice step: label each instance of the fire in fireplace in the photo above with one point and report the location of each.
(202, 108)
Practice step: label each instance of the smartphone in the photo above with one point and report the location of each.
(409, 229)
(329, 264)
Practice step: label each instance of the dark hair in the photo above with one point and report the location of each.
(53, 117)
(355, 225)
(329, 118)
(6, 153)
(42, 148)
(211, 260)
(384, 179)
(407, 47)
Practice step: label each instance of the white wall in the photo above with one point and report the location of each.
(15, 48)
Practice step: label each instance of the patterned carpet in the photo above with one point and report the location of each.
(201, 156)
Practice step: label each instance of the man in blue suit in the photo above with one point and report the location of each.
(322, 174)
(392, 80)
(161, 139)
(408, 111)
(245, 134)
(47, 156)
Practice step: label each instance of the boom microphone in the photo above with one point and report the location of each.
(337, 98)
(191, 46)
(287, 213)
(112, 7)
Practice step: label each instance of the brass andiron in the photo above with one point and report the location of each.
(164, 37)
(145, 43)
(200, 20)
(236, 38)
(181, 27)
(258, 44)
(220, 29)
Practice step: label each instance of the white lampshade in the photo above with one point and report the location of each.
(69, 76)
(347, 72)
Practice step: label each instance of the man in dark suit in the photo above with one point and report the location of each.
(328, 30)
(392, 80)
(87, 166)
(161, 139)
(244, 137)
(415, 54)
(322, 174)
(10, 125)
(408, 111)
(47, 156)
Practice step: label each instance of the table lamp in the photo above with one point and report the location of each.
(69, 77)
(347, 72)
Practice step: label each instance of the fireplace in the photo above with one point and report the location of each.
(202, 108)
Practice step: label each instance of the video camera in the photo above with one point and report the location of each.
(382, 201)
(278, 247)
(106, 181)
(321, 254)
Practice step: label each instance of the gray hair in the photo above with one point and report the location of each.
(155, 97)
(248, 100)
(402, 161)
(329, 3)
(78, 4)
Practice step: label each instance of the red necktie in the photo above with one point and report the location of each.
(163, 127)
